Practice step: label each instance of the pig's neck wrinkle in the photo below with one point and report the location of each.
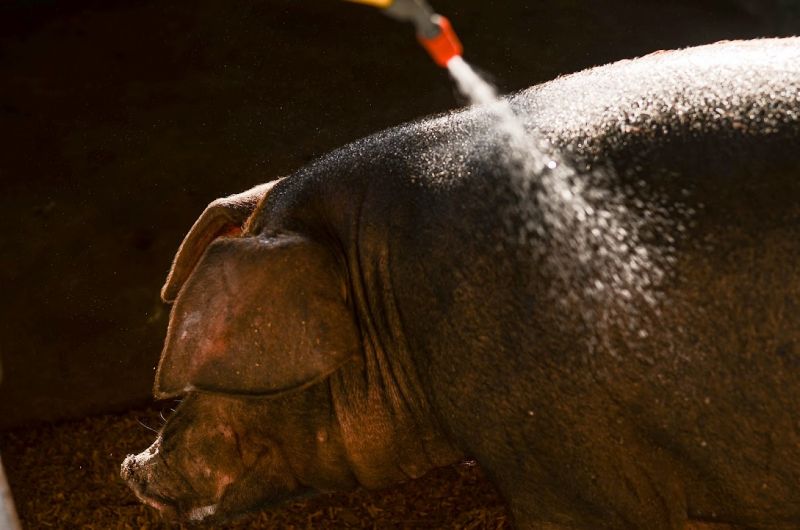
(385, 441)
(388, 428)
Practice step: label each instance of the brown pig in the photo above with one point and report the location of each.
(605, 316)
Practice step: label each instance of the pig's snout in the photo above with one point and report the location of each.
(139, 471)
(132, 472)
(127, 469)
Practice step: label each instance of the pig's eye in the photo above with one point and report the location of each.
(182, 417)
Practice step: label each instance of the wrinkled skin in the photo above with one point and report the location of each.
(618, 347)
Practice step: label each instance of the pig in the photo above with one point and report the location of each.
(606, 316)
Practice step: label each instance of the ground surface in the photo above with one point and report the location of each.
(67, 476)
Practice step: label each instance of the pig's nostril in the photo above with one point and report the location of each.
(128, 468)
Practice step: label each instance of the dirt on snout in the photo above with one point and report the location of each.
(67, 476)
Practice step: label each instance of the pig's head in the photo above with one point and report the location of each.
(218, 456)
(257, 319)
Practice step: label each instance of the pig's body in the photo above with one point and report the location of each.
(632, 370)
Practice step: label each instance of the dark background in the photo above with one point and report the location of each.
(121, 120)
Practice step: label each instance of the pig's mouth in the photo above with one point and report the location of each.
(173, 509)
(177, 510)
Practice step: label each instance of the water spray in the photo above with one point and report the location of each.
(592, 232)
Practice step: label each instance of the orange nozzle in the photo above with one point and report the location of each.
(383, 4)
(443, 46)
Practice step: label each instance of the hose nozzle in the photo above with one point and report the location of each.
(434, 31)
(445, 45)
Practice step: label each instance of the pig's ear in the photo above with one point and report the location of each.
(225, 216)
(259, 316)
